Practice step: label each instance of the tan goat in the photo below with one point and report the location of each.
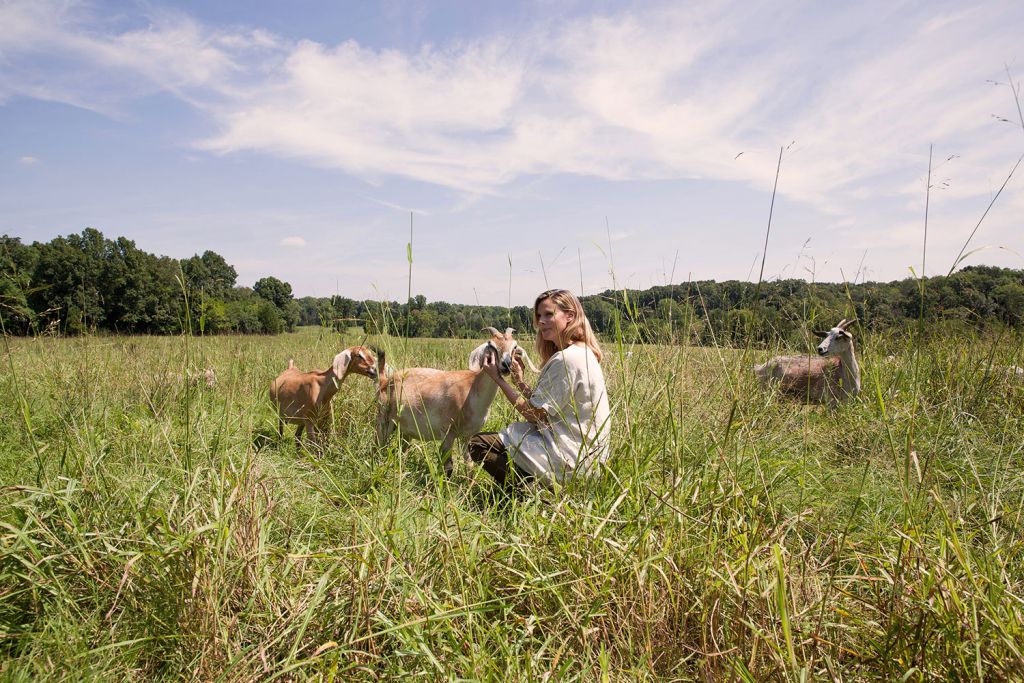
(831, 378)
(304, 398)
(432, 405)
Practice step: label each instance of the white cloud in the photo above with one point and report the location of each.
(293, 242)
(29, 160)
(653, 92)
(90, 62)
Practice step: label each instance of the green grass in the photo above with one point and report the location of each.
(151, 528)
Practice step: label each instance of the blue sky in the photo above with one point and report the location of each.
(585, 143)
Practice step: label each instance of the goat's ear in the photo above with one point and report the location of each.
(476, 356)
(821, 333)
(509, 331)
(492, 331)
(522, 352)
(340, 364)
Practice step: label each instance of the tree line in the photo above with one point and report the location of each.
(87, 283)
(739, 313)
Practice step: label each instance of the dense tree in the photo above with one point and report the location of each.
(280, 294)
(270, 317)
(86, 282)
(273, 290)
(209, 274)
(17, 264)
(138, 290)
(70, 273)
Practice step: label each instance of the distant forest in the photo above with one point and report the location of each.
(88, 283)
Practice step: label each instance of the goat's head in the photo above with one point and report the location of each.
(357, 359)
(504, 347)
(837, 340)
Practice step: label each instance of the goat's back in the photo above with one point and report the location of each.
(802, 376)
(296, 393)
(427, 401)
(281, 383)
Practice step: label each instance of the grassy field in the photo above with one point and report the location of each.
(151, 528)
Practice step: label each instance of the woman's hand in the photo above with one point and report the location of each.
(517, 370)
(490, 366)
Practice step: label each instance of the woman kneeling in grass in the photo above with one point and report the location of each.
(568, 422)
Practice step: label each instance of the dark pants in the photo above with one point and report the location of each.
(487, 450)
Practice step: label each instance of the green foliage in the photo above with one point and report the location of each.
(139, 290)
(273, 290)
(85, 282)
(243, 315)
(741, 313)
(270, 318)
(17, 263)
(81, 283)
(69, 275)
(280, 294)
(209, 273)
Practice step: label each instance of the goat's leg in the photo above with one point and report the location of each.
(403, 442)
(446, 452)
(298, 434)
(385, 428)
(324, 430)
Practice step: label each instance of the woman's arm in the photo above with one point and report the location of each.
(519, 402)
(517, 379)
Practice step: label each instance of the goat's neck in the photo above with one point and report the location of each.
(484, 389)
(849, 371)
(329, 384)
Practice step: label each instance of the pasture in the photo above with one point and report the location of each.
(152, 528)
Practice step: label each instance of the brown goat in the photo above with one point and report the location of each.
(431, 405)
(304, 398)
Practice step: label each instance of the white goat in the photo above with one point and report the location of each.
(304, 398)
(831, 378)
(431, 405)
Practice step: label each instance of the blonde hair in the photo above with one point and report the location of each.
(578, 330)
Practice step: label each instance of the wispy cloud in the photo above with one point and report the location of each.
(293, 242)
(29, 160)
(398, 207)
(650, 93)
(67, 52)
(647, 92)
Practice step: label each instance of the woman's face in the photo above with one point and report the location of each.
(552, 321)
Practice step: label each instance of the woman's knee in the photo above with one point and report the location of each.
(479, 446)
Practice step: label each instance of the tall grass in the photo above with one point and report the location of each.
(151, 528)
(165, 531)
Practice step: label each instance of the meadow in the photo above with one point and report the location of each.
(152, 528)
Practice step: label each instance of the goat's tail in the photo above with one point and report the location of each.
(291, 363)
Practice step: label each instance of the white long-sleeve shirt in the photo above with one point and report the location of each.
(571, 391)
